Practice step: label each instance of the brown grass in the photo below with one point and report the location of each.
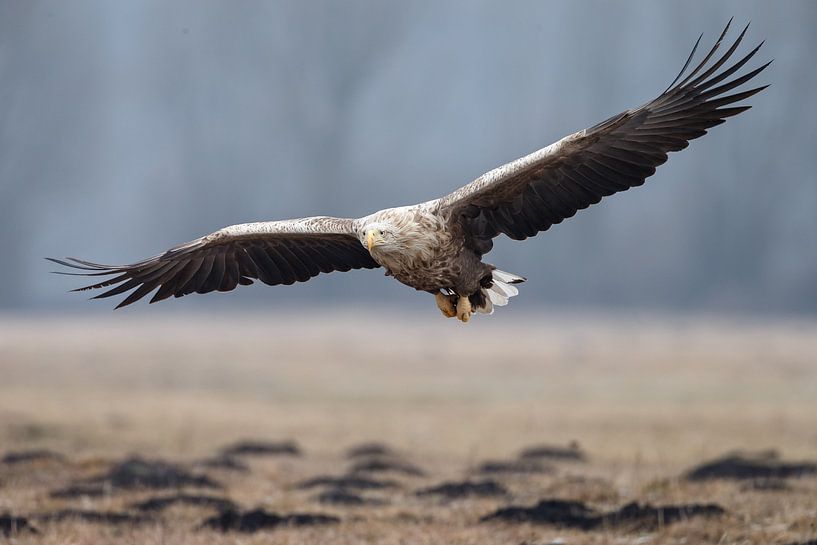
(646, 397)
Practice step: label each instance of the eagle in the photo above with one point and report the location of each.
(438, 246)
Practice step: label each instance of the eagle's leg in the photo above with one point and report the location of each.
(446, 304)
(464, 309)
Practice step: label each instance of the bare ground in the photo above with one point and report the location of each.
(646, 399)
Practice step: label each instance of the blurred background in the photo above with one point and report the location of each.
(129, 127)
(661, 329)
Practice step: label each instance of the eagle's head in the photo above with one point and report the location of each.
(381, 237)
(400, 238)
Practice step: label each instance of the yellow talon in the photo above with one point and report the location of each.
(464, 309)
(446, 304)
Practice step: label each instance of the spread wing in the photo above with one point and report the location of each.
(530, 194)
(275, 252)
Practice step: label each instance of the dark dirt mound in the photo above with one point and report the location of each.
(135, 473)
(139, 473)
(763, 465)
(95, 517)
(572, 452)
(258, 519)
(465, 489)
(809, 542)
(38, 455)
(377, 465)
(574, 514)
(11, 525)
(262, 448)
(370, 449)
(353, 482)
(224, 462)
(79, 491)
(766, 485)
(513, 466)
(646, 516)
(163, 502)
(339, 496)
(569, 514)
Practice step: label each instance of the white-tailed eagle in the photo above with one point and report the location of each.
(437, 246)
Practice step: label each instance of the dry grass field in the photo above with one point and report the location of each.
(99, 416)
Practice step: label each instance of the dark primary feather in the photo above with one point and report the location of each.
(222, 263)
(531, 194)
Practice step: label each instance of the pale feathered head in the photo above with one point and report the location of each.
(381, 236)
(401, 237)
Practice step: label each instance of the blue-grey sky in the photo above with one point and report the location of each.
(128, 127)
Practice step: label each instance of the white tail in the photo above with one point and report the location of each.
(500, 291)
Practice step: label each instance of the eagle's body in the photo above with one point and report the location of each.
(429, 254)
(438, 246)
(426, 255)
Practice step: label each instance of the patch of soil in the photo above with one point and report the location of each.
(353, 482)
(763, 465)
(339, 496)
(136, 473)
(370, 449)
(809, 542)
(79, 491)
(228, 463)
(569, 514)
(25, 456)
(258, 519)
(94, 517)
(262, 448)
(647, 517)
(381, 465)
(11, 525)
(571, 452)
(767, 485)
(513, 466)
(139, 473)
(574, 514)
(465, 489)
(163, 502)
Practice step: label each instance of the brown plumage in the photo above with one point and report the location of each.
(437, 246)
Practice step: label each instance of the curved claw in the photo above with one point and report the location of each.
(446, 304)
(464, 309)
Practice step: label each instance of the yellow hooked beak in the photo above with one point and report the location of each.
(370, 239)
